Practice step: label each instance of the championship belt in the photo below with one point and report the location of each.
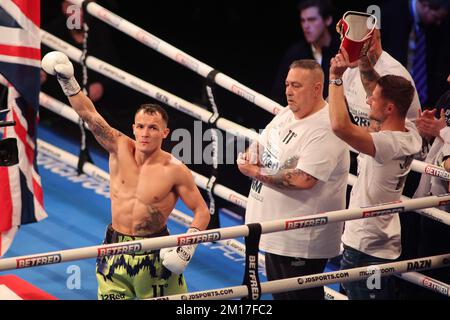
(356, 29)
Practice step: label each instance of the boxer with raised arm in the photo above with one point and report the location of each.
(145, 184)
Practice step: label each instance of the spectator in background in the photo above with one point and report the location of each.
(317, 43)
(435, 236)
(415, 32)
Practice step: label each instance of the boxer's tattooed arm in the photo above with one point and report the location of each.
(369, 76)
(288, 178)
(153, 222)
(104, 133)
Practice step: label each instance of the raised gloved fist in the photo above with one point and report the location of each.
(57, 63)
(176, 259)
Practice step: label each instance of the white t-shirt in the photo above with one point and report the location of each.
(430, 185)
(356, 95)
(320, 154)
(381, 180)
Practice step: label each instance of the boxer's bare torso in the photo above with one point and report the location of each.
(145, 181)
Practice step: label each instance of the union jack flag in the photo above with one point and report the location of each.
(21, 198)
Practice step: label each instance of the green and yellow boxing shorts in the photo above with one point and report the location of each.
(138, 275)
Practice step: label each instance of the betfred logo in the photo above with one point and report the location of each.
(186, 61)
(437, 172)
(303, 223)
(237, 200)
(376, 213)
(120, 249)
(197, 238)
(38, 261)
(241, 92)
(438, 287)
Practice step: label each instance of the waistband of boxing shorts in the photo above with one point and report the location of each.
(113, 236)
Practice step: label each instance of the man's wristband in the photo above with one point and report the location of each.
(336, 82)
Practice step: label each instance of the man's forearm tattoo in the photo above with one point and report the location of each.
(369, 76)
(101, 130)
(285, 178)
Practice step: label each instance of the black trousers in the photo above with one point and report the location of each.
(280, 267)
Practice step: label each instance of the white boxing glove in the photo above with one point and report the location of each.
(57, 63)
(176, 259)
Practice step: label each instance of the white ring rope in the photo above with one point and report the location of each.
(426, 282)
(432, 213)
(316, 280)
(144, 87)
(430, 169)
(179, 56)
(221, 233)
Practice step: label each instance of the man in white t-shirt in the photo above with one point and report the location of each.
(383, 164)
(434, 236)
(301, 169)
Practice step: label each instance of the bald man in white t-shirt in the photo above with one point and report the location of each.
(301, 169)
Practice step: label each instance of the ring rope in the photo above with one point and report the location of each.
(330, 293)
(432, 213)
(426, 282)
(222, 233)
(179, 56)
(317, 280)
